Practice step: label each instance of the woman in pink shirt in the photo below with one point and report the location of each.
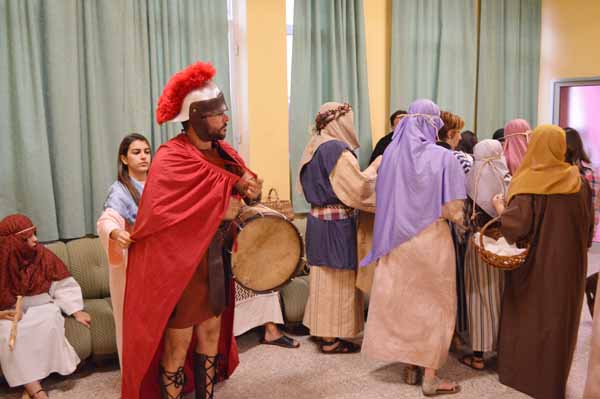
(120, 210)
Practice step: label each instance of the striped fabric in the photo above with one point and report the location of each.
(466, 161)
(484, 286)
(335, 306)
(332, 212)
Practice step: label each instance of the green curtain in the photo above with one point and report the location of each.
(81, 75)
(434, 54)
(328, 64)
(509, 63)
(182, 32)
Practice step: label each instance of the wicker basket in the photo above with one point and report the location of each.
(498, 261)
(282, 206)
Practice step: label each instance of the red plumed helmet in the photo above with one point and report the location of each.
(193, 77)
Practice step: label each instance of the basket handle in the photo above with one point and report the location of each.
(273, 190)
(484, 228)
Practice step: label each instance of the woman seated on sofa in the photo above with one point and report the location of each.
(30, 270)
(120, 211)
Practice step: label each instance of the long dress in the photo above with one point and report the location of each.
(412, 309)
(542, 299)
(41, 346)
(484, 286)
(335, 307)
(120, 211)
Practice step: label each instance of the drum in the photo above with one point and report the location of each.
(268, 249)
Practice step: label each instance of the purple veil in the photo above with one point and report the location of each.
(415, 179)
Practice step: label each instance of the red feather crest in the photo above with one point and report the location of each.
(180, 84)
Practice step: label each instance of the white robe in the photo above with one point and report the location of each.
(253, 310)
(41, 346)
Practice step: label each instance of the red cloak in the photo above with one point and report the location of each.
(185, 198)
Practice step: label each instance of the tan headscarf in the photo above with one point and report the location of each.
(544, 170)
(340, 127)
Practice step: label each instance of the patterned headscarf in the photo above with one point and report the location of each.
(334, 121)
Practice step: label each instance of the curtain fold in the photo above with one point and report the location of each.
(82, 75)
(434, 55)
(509, 63)
(328, 64)
(180, 33)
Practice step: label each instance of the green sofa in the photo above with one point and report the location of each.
(87, 262)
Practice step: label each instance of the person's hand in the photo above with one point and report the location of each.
(7, 315)
(235, 205)
(122, 237)
(250, 186)
(83, 318)
(254, 188)
(498, 202)
(377, 162)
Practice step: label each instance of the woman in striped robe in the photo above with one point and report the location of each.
(483, 283)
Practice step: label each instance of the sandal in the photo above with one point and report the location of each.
(471, 361)
(342, 347)
(284, 341)
(27, 396)
(413, 375)
(432, 388)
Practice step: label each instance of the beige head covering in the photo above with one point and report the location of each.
(339, 125)
(487, 176)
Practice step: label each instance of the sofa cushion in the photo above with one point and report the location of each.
(60, 249)
(89, 267)
(103, 327)
(79, 336)
(294, 297)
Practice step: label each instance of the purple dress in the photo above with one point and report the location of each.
(329, 243)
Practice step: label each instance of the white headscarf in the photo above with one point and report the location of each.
(487, 176)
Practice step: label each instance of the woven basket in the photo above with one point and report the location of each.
(282, 206)
(498, 261)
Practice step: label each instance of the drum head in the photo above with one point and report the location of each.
(267, 253)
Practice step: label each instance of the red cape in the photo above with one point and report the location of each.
(184, 200)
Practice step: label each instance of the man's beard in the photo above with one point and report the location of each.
(218, 134)
(213, 134)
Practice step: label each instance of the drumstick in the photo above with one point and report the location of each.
(13, 331)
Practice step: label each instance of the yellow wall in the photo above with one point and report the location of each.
(267, 93)
(267, 84)
(569, 48)
(378, 31)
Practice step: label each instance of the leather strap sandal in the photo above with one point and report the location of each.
(474, 362)
(176, 379)
(342, 347)
(432, 388)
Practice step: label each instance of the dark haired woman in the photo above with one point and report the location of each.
(576, 155)
(467, 142)
(120, 210)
